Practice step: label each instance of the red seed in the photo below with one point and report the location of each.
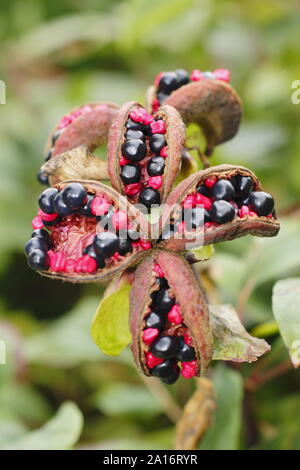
(100, 205)
(188, 339)
(222, 74)
(189, 369)
(189, 201)
(158, 271)
(152, 361)
(158, 127)
(155, 182)
(119, 220)
(196, 75)
(203, 201)
(164, 152)
(174, 315)
(47, 217)
(145, 245)
(149, 335)
(89, 264)
(70, 265)
(243, 211)
(209, 182)
(37, 222)
(132, 189)
(155, 105)
(123, 161)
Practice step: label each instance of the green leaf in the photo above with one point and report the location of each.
(60, 433)
(110, 329)
(231, 341)
(225, 432)
(286, 306)
(204, 253)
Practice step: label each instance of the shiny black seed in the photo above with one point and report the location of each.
(222, 212)
(185, 353)
(90, 250)
(162, 301)
(242, 202)
(38, 260)
(183, 76)
(134, 150)
(147, 130)
(172, 379)
(149, 197)
(260, 202)
(46, 199)
(161, 96)
(165, 347)
(156, 320)
(74, 195)
(132, 125)
(162, 283)
(41, 233)
(125, 246)
(56, 135)
(60, 207)
(48, 155)
(106, 244)
(168, 82)
(156, 166)
(52, 222)
(105, 221)
(42, 178)
(35, 243)
(130, 174)
(165, 369)
(157, 142)
(204, 190)
(243, 186)
(132, 134)
(223, 189)
(86, 209)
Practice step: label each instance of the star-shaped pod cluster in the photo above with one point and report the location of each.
(87, 231)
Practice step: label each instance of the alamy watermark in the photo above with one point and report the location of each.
(2, 92)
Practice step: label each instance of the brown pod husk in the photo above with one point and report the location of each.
(212, 104)
(175, 136)
(76, 238)
(255, 225)
(189, 296)
(90, 129)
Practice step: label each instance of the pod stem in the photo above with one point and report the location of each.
(202, 156)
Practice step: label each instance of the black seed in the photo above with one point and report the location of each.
(35, 243)
(156, 166)
(149, 197)
(157, 142)
(242, 202)
(86, 209)
(106, 244)
(41, 233)
(222, 212)
(162, 283)
(56, 135)
(48, 155)
(243, 186)
(172, 379)
(131, 134)
(46, 199)
(52, 222)
(42, 178)
(38, 260)
(90, 250)
(60, 207)
(125, 246)
(182, 76)
(260, 202)
(134, 150)
(162, 301)
(165, 347)
(207, 216)
(161, 96)
(204, 190)
(132, 125)
(165, 369)
(193, 218)
(130, 174)
(156, 320)
(185, 353)
(168, 82)
(74, 196)
(223, 189)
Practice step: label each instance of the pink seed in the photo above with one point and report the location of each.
(164, 152)
(204, 201)
(157, 78)
(79, 265)
(152, 361)
(37, 222)
(89, 264)
(155, 105)
(145, 245)
(188, 339)
(155, 182)
(158, 271)
(100, 205)
(123, 161)
(149, 335)
(158, 127)
(252, 214)
(47, 217)
(243, 211)
(209, 182)
(196, 75)
(57, 262)
(132, 189)
(70, 265)
(222, 74)
(189, 201)
(119, 220)
(270, 216)
(189, 369)
(115, 257)
(174, 315)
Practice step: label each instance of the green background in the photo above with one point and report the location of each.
(56, 55)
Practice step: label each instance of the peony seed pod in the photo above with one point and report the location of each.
(144, 152)
(169, 319)
(85, 231)
(204, 98)
(214, 205)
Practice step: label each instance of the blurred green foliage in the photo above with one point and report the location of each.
(56, 55)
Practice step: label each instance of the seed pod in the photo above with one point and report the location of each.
(212, 104)
(136, 137)
(94, 233)
(185, 340)
(215, 205)
(86, 125)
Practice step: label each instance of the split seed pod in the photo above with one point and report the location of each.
(217, 204)
(169, 319)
